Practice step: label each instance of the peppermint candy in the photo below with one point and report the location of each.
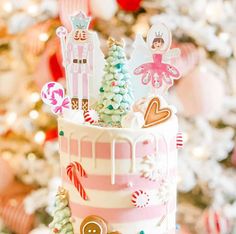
(140, 199)
(91, 116)
(179, 140)
(51, 92)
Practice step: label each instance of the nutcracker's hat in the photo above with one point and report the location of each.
(80, 21)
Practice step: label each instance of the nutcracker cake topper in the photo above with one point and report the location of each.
(79, 48)
(151, 60)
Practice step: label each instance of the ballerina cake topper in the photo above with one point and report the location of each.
(156, 69)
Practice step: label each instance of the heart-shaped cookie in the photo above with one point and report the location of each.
(154, 114)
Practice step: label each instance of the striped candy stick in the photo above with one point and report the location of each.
(74, 170)
(179, 140)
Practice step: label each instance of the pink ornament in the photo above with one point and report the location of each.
(36, 36)
(190, 57)
(233, 157)
(183, 230)
(91, 116)
(140, 199)
(206, 96)
(6, 175)
(14, 216)
(50, 64)
(214, 222)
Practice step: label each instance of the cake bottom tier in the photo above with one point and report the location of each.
(156, 220)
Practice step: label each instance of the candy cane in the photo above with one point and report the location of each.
(72, 170)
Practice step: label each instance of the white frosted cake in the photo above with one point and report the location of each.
(118, 155)
(130, 177)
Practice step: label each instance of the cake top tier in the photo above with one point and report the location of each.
(107, 92)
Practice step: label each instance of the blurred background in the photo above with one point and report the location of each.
(205, 32)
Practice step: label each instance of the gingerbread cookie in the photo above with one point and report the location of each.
(93, 225)
(154, 114)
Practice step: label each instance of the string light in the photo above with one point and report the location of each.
(224, 36)
(199, 152)
(39, 137)
(214, 11)
(140, 28)
(43, 37)
(7, 155)
(32, 9)
(11, 118)
(31, 156)
(34, 97)
(33, 114)
(7, 7)
(185, 137)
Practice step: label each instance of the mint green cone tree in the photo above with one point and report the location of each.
(116, 95)
(61, 223)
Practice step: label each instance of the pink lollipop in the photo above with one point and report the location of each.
(53, 95)
(61, 32)
(51, 92)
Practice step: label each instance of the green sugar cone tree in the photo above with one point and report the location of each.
(61, 223)
(116, 95)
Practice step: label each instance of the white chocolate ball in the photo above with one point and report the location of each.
(133, 120)
(75, 116)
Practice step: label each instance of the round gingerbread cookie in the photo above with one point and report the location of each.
(93, 225)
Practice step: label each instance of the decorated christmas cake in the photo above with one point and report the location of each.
(118, 137)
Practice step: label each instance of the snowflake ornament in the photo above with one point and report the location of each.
(166, 190)
(140, 199)
(151, 168)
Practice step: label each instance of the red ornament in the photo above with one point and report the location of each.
(51, 134)
(55, 230)
(114, 83)
(129, 5)
(55, 67)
